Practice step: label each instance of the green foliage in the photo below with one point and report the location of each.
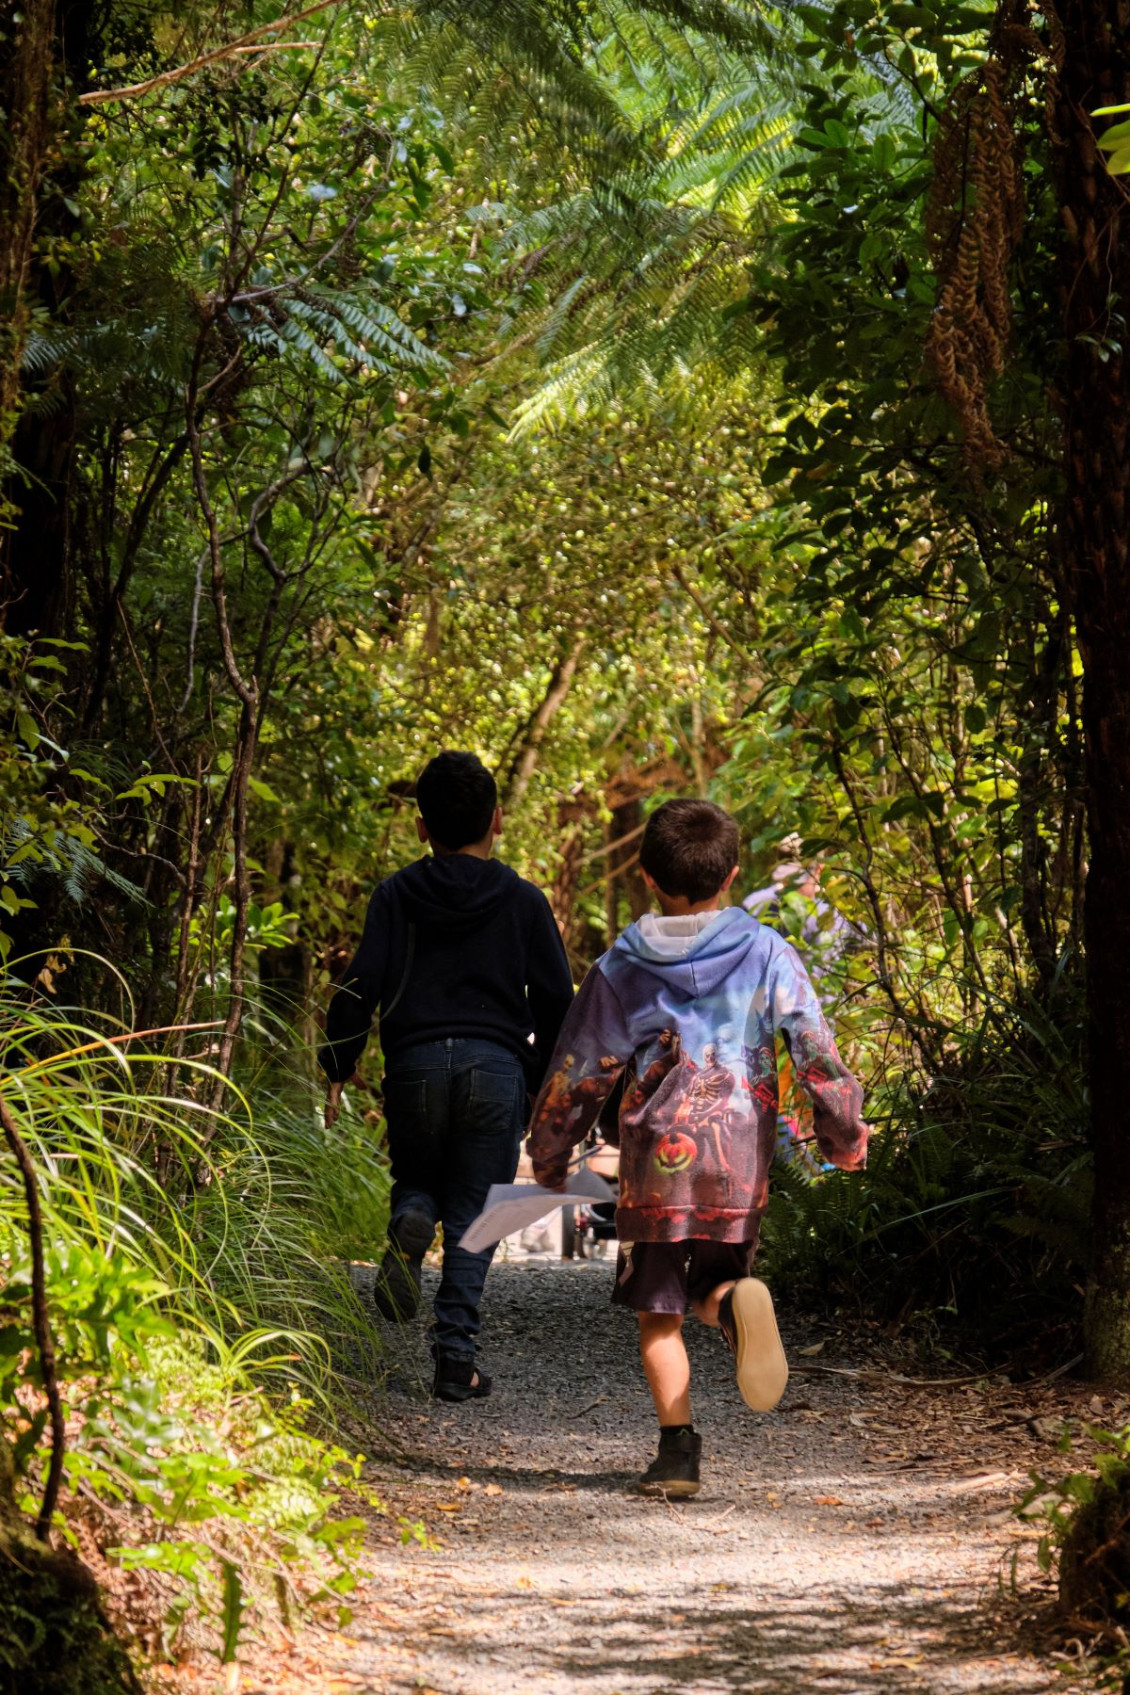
(186, 1269)
(1115, 141)
(548, 380)
(977, 1193)
(50, 831)
(1083, 1517)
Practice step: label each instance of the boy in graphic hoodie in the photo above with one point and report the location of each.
(690, 1003)
(463, 961)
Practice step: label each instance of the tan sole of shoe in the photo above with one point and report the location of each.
(674, 1491)
(760, 1365)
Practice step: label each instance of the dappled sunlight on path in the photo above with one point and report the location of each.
(857, 1540)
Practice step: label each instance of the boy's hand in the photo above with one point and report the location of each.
(334, 1093)
(550, 1176)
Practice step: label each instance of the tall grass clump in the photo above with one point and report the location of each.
(202, 1317)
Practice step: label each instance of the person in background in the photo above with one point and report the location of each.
(463, 962)
(825, 937)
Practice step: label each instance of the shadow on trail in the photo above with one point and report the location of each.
(826, 1553)
(518, 1480)
(888, 1645)
(842, 1648)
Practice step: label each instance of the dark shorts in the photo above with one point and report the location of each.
(671, 1276)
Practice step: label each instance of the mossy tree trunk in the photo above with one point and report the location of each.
(1095, 538)
(54, 1638)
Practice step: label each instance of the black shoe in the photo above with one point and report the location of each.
(749, 1325)
(396, 1292)
(458, 1380)
(674, 1470)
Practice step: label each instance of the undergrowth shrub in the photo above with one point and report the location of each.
(203, 1319)
(970, 1223)
(1084, 1518)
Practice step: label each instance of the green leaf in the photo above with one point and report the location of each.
(232, 1612)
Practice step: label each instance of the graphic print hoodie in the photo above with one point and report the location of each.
(689, 1008)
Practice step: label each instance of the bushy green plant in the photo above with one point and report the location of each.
(296, 1204)
(1084, 1518)
(50, 828)
(976, 1194)
(196, 1305)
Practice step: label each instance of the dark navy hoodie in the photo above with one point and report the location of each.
(456, 946)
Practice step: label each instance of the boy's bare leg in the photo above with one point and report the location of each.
(666, 1365)
(707, 1310)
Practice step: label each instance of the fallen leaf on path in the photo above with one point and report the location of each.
(816, 1348)
(449, 1506)
(493, 1489)
(828, 1501)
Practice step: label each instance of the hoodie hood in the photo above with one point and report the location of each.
(694, 954)
(456, 893)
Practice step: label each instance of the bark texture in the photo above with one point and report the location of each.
(1095, 538)
(44, 51)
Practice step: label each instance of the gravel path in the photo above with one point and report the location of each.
(853, 1541)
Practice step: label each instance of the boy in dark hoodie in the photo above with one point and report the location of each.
(688, 1006)
(465, 965)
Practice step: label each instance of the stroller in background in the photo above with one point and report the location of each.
(586, 1230)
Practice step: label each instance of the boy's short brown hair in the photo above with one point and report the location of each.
(689, 848)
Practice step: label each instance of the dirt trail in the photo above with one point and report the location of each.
(853, 1541)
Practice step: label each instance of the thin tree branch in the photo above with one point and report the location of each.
(522, 767)
(611, 847)
(193, 626)
(41, 1319)
(719, 629)
(99, 96)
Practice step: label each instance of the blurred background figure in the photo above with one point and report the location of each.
(793, 903)
(822, 935)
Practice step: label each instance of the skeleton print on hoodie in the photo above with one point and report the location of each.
(688, 1008)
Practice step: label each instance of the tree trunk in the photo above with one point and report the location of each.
(26, 83)
(49, 42)
(54, 1637)
(1095, 281)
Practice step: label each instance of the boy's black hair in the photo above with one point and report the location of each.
(456, 796)
(690, 847)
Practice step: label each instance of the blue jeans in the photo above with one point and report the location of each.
(455, 1111)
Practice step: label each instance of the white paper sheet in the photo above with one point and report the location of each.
(513, 1206)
